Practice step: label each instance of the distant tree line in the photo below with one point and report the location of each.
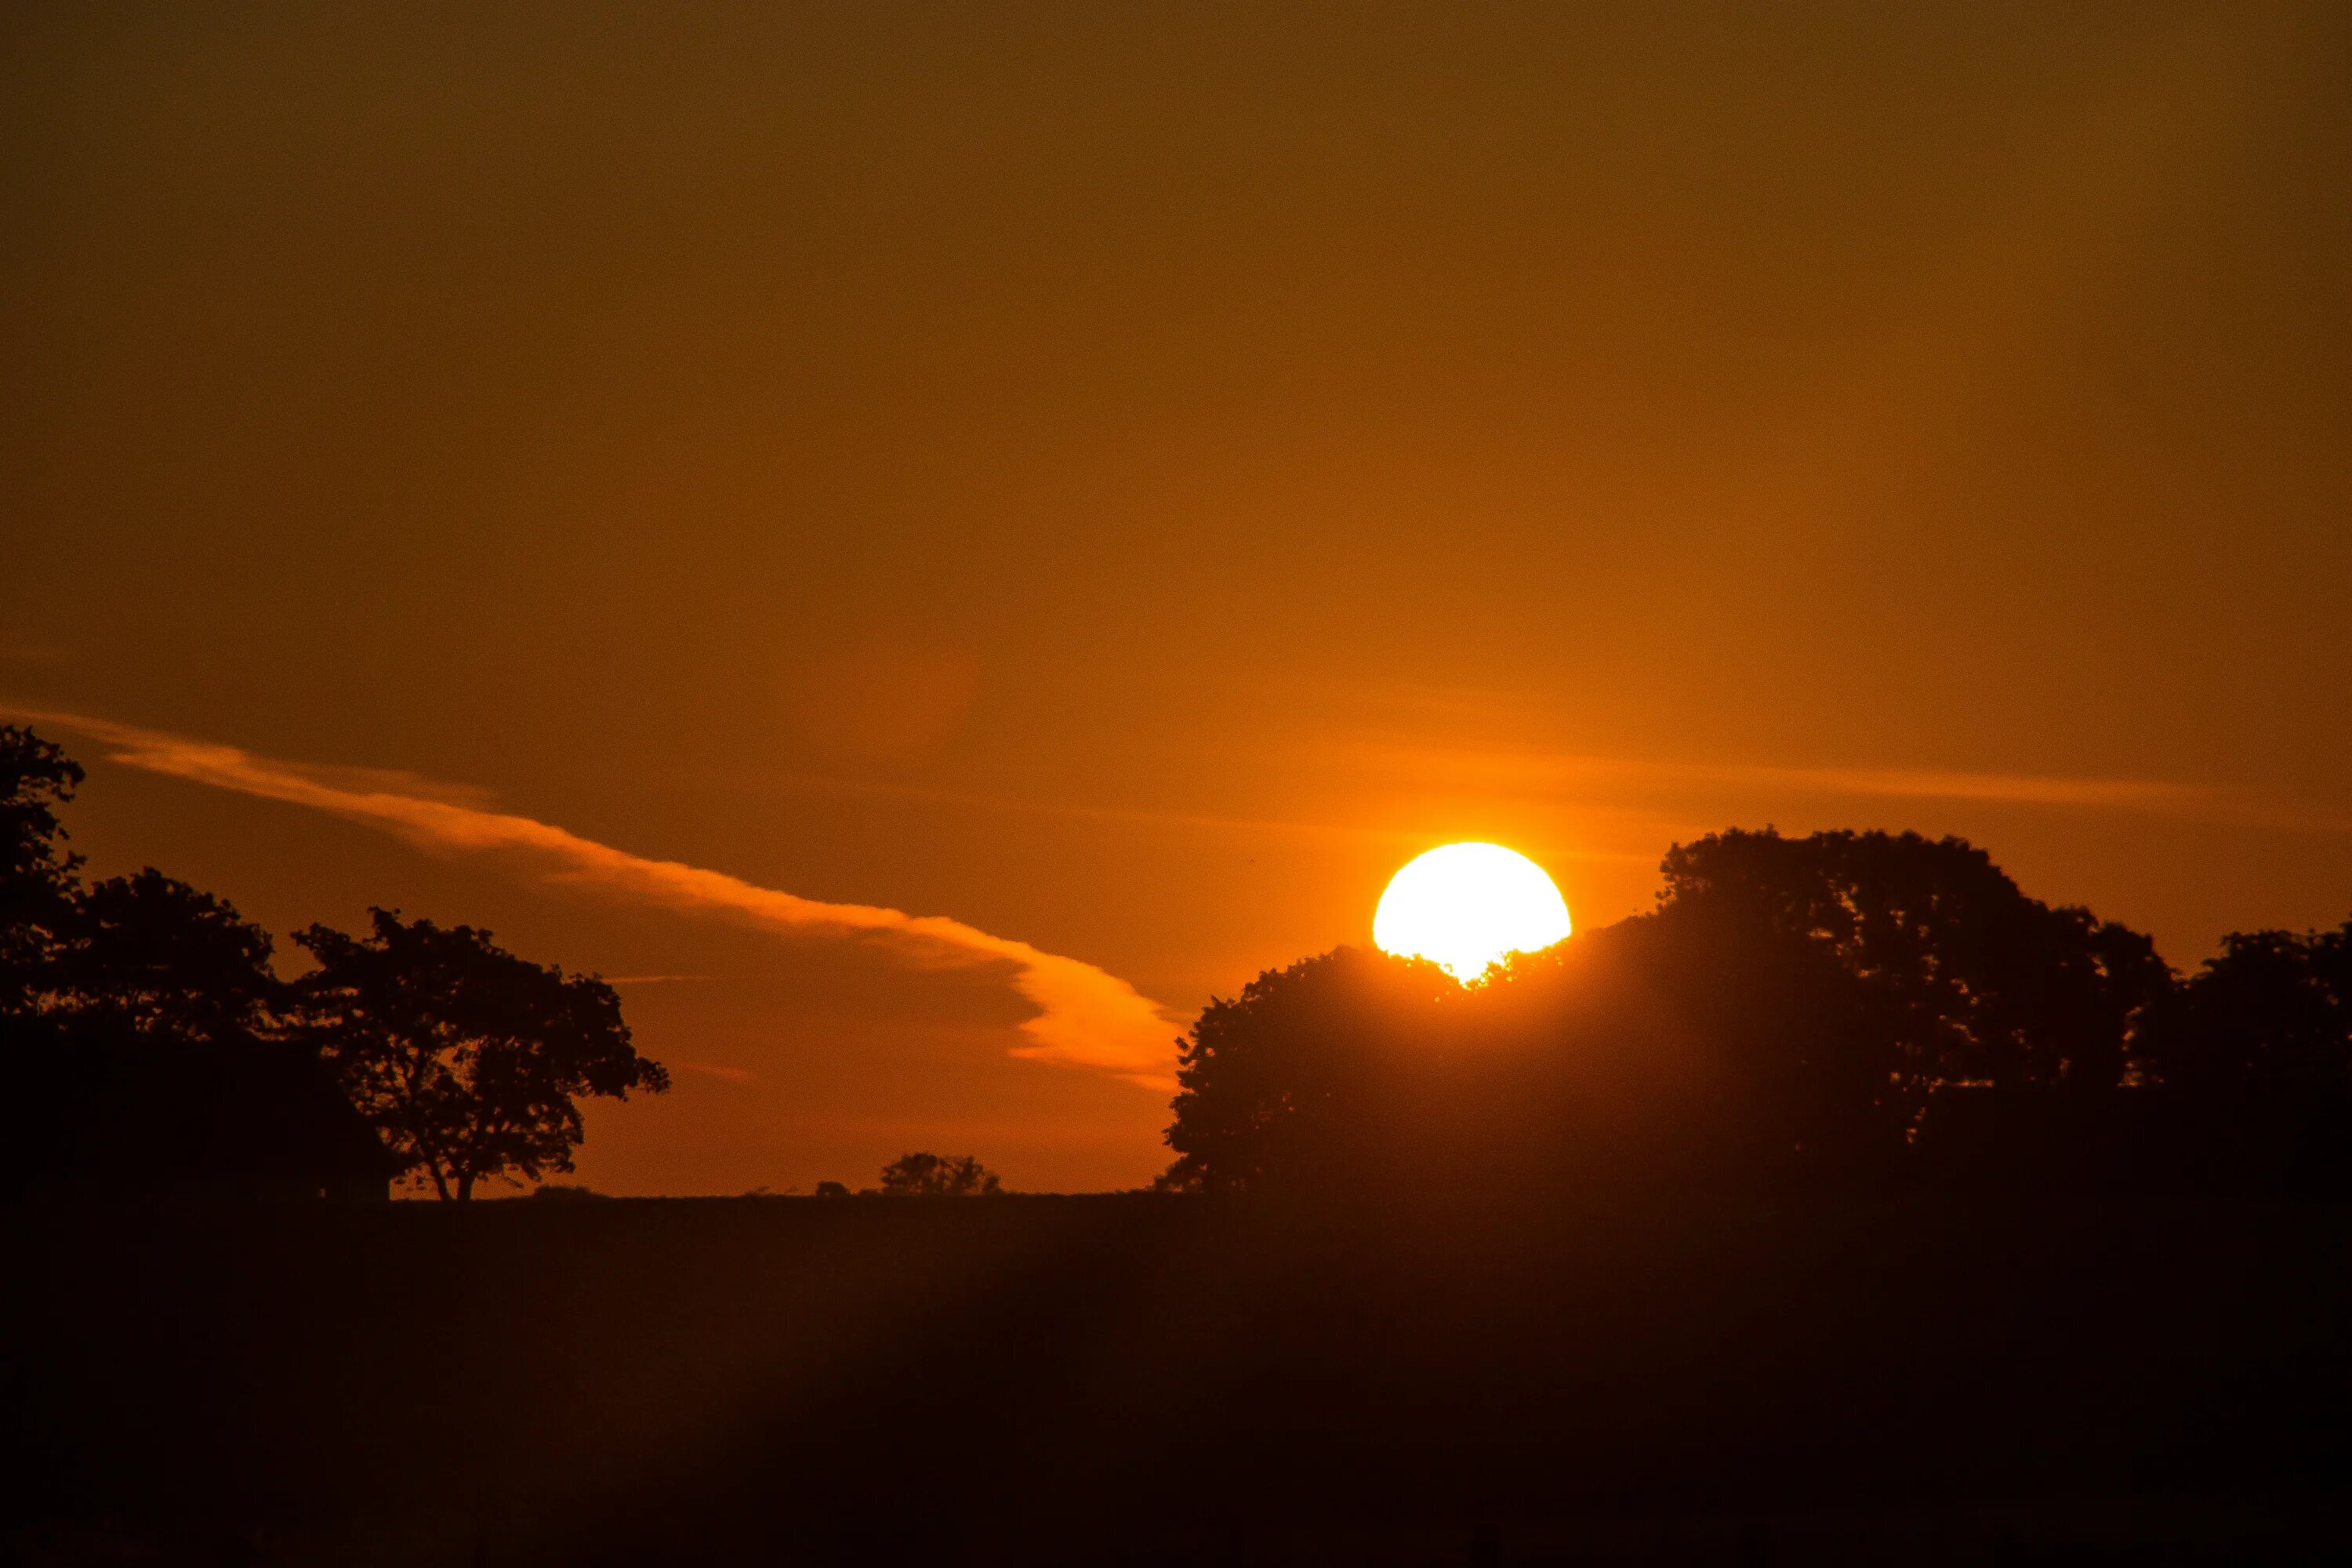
(1858, 1007)
(150, 1046)
(925, 1175)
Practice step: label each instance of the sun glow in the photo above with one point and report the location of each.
(1463, 906)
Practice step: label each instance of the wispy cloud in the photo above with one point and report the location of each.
(1539, 772)
(1546, 771)
(1945, 784)
(1086, 1016)
(724, 1074)
(1134, 816)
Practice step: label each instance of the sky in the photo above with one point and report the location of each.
(1121, 480)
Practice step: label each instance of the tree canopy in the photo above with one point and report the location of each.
(1964, 977)
(150, 1044)
(162, 958)
(36, 873)
(1848, 1002)
(468, 1060)
(928, 1175)
(2271, 1013)
(140, 1026)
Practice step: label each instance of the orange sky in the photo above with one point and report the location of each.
(1125, 478)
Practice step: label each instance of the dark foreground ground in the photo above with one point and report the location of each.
(1155, 1380)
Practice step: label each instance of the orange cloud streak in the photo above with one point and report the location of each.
(1086, 1016)
(1549, 772)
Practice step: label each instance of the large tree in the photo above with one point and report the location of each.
(1285, 1081)
(37, 881)
(139, 1027)
(468, 1060)
(1967, 979)
(928, 1175)
(1791, 1004)
(164, 959)
(1676, 1039)
(2270, 1016)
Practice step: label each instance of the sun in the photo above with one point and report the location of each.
(1463, 906)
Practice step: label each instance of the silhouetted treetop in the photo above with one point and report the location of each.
(467, 1060)
(1967, 978)
(2270, 1015)
(35, 778)
(150, 1045)
(36, 873)
(138, 1031)
(166, 959)
(1268, 1080)
(928, 1175)
(1791, 1004)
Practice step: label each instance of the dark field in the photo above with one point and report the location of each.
(1167, 1380)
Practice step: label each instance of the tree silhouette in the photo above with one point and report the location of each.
(1677, 1039)
(172, 1066)
(925, 1175)
(2270, 1016)
(164, 959)
(1791, 1004)
(36, 875)
(1279, 1081)
(1967, 979)
(467, 1060)
(137, 1028)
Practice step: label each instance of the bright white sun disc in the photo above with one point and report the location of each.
(1465, 905)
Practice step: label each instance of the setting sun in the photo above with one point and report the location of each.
(1463, 906)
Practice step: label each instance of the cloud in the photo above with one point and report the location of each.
(725, 1074)
(1549, 771)
(1594, 780)
(1086, 1017)
(1938, 783)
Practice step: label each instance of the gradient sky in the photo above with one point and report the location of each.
(1126, 479)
